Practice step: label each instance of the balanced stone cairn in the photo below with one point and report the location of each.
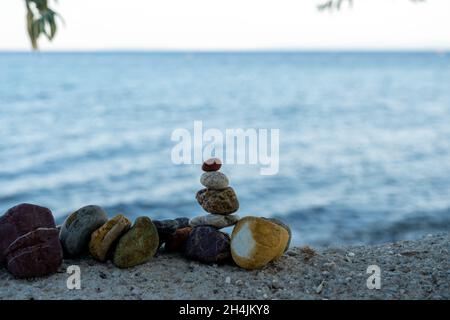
(205, 242)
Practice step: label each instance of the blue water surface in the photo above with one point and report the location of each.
(364, 137)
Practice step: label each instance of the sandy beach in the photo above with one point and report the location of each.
(409, 270)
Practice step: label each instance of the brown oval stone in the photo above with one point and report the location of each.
(176, 241)
(212, 164)
(218, 201)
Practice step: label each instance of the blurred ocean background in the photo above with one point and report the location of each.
(364, 137)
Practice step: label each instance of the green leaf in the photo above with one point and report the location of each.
(40, 21)
(52, 24)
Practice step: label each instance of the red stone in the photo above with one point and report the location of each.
(176, 241)
(35, 254)
(212, 164)
(20, 220)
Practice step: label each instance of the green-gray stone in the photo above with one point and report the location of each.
(76, 230)
(138, 245)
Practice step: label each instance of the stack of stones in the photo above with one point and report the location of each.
(205, 242)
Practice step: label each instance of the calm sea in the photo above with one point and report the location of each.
(364, 137)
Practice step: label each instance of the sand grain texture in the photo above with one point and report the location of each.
(409, 270)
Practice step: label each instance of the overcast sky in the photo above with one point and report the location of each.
(235, 25)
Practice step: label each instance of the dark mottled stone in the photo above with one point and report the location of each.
(35, 254)
(20, 220)
(176, 241)
(285, 226)
(207, 244)
(182, 222)
(166, 227)
(77, 229)
(218, 201)
(169, 226)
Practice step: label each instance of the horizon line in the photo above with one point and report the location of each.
(262, 50)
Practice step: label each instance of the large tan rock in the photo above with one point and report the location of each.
(256, 241)
(104, 237)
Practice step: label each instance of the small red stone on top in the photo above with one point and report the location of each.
(212, 164)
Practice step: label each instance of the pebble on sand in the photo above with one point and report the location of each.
(103, 238)
(167, 227)
(176, 241)
(20, 220)
(256, 241)
(138, 245)
(35, 254)
(29, 243)
(77, 229)
(284, 225)
(207, 244)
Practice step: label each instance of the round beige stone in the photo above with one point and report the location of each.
(256, 241)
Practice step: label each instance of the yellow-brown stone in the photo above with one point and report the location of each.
(256, 241)
(104, 237)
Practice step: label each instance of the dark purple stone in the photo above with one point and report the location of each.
(207, 244)
(35, 254)
(20, 220)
